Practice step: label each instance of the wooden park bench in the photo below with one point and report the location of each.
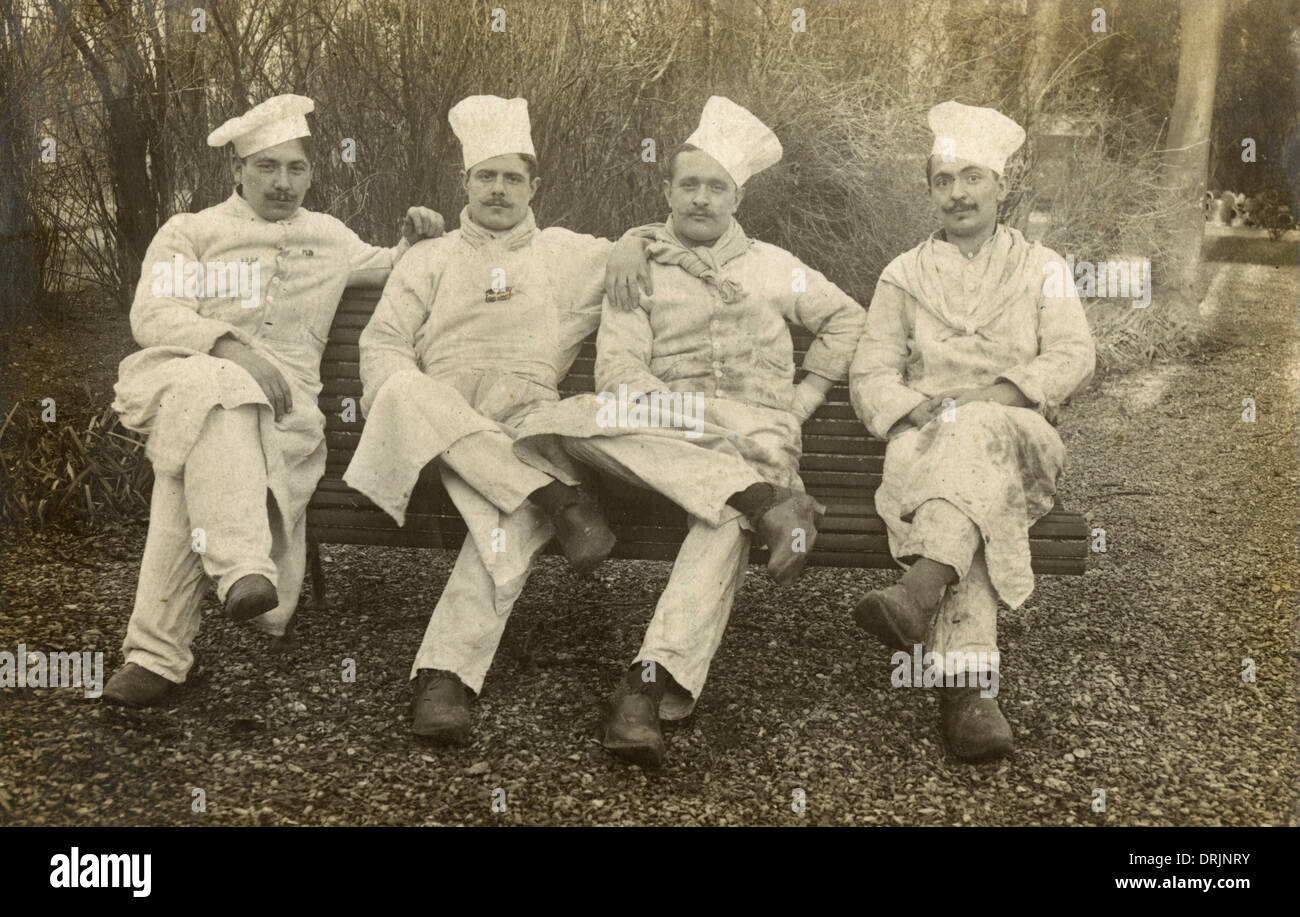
(841, 467)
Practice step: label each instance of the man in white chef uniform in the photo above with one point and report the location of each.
(968, 354)
(473, 333)
(711, 348)
(233, 309)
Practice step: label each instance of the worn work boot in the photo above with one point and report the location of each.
(893, 617)
(973, 726)
(630, 729)
(440, 707)
(775, 525)
(135, 686)
(583, 534)
(251, 596)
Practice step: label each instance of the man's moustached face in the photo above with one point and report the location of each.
(499, 191)
(702, 196)
(966, 196)
(275, 180)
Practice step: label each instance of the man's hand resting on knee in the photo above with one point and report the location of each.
(998, 393)
(262, 370)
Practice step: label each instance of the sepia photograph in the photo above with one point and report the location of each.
(671, 413)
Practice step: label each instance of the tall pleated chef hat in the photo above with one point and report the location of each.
(742, 144)
(276, 120)
(981, 135)
(490, 126)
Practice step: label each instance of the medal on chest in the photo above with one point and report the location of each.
(499, 291)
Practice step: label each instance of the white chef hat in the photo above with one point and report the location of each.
(276, 120)
(981, 135)
(742, 144)
(490, 126)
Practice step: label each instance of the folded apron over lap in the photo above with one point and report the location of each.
(999, 465)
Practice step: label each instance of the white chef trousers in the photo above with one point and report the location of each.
(693, 610)
(470, 617)
(967, 619)
(467, 623)
(222, 492)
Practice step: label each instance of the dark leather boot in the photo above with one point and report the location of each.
(135, 686)
(775, 527)
(251, 596)
(583, 534)
(630, 729)
(973, 726)
(893, 617)
(440, 707)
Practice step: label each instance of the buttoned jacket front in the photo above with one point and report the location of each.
(685, 338)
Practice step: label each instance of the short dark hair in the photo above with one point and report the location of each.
(671, 162)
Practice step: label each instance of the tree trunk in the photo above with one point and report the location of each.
(187, 125)
(1042, 57)
(19, 263)
(928, 46)
(119, 66)
(1187, 150)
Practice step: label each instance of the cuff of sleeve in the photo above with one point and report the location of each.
(806, 402)
(643, 232)
(206, 335)
(648, 384)
(821, 360)
(895, 408)
(639, 383)
(1031, 390)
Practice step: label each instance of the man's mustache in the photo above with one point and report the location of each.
(960, 208)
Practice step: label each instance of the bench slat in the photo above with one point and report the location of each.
(350, 386)
(669, 534)
(333, 506)
(451, 537)
(813, 429)
(819, 453)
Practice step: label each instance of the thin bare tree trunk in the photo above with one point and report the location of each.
(18, 248)
(1187, 150)
(928, 46)
(1043, 56)
(121, 74)
(187, 126)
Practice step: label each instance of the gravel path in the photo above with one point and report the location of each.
(1127, 679)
